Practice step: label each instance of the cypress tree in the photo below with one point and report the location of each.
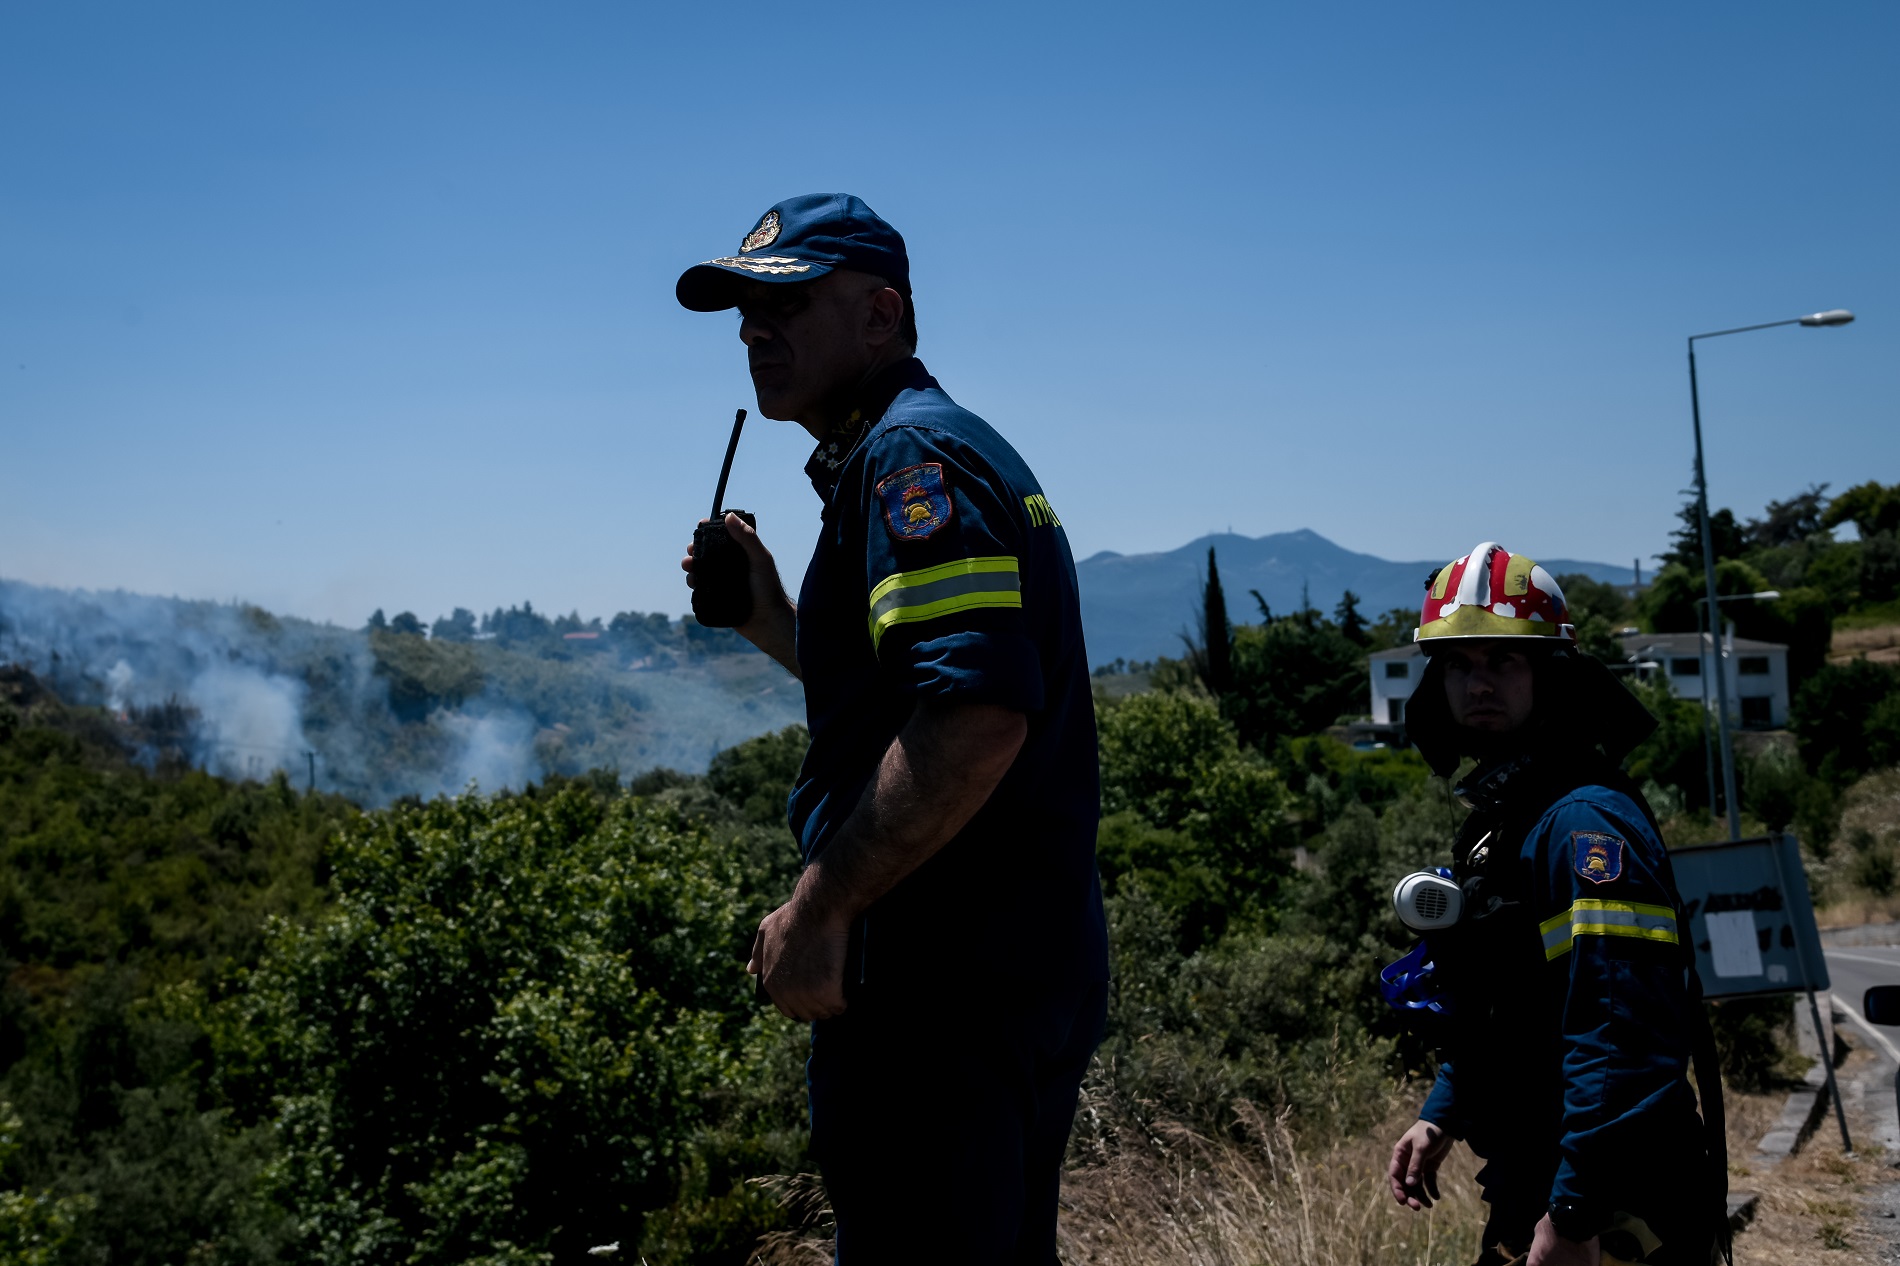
(1352, 625)
(1217, 634)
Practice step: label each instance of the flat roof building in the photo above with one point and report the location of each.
(1757, 675)
(1757, 672)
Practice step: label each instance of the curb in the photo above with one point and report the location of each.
(1800, 1117)
(1804, 1110)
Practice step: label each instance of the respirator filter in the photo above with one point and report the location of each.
(1426, 901)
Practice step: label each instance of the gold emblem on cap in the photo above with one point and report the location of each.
(764, 235)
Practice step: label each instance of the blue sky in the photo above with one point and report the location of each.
(335, 307)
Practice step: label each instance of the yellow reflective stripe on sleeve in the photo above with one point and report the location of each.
(996, 565)
(1557, 935)
(1588, 916)
(929, 592)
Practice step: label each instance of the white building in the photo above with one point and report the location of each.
(1757, 672)
(1395, 675)
(1757, 675)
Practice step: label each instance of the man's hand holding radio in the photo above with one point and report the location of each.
(773, 627)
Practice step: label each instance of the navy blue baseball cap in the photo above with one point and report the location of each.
(800, 239)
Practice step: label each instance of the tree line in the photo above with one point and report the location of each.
(629, 634)
(245, 1022)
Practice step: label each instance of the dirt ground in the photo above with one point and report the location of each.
(1822, 1207)
(1880, 644)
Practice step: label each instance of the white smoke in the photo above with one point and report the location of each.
(312, 699)
(118, 683)
(494, 751)
(251, 722)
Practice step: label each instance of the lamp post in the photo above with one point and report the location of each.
(1721, 671)
(1834, 316)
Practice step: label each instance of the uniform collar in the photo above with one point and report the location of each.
(1497, 781)
(874, 396)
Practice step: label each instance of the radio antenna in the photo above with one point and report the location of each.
(732, 446)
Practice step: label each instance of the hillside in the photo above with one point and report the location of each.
(509, 1028)
(1135, 606)
(385, 711)
(375, 714)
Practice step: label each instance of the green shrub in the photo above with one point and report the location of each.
(1265, 1018)
(1212, 815)
(518, 1029)
(1871, 864)
(1156, 749)
(36, 1227)
(757, 776)
(1773, 784)
(1754, 1038)
(1174, 870)
(1674, 755)
(128, 897)
(1840, 720)
(1333, 776)
(1293, 676)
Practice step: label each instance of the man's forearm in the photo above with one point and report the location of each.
(775, 631)
(934, 777)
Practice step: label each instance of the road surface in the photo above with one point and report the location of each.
(1854, 969)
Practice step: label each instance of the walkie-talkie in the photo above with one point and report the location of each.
(722, 587)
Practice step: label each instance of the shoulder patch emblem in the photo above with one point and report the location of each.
(1598, 857)
(764, 235)
(916, 501)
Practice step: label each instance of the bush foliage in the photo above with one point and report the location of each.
(245, 1023)
(519, 1021)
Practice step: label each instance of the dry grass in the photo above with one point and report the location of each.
(1870, 819)
(1257, 1198)
(1168, 1195)
(1165, 1193)
(1811, 1211)
(1872, 805)
(1880, 644)
(1857, 907)
(803, 1198)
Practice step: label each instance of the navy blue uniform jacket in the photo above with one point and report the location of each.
(1576, 1085)
(942, 573)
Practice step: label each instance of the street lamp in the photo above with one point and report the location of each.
(1721, 671)
(1833, 316)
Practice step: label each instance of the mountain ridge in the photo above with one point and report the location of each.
(378, 713)
(1136, 606)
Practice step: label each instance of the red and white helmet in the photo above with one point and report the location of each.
(1491, 593)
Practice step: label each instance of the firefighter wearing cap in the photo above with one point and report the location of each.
(946, 936)
(1573, 1012)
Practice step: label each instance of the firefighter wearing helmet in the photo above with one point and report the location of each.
(1553, 971)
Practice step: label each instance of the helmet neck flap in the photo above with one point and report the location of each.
(1578, 706)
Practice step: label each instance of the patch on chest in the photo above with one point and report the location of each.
(916, 501)
(1598, 857)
